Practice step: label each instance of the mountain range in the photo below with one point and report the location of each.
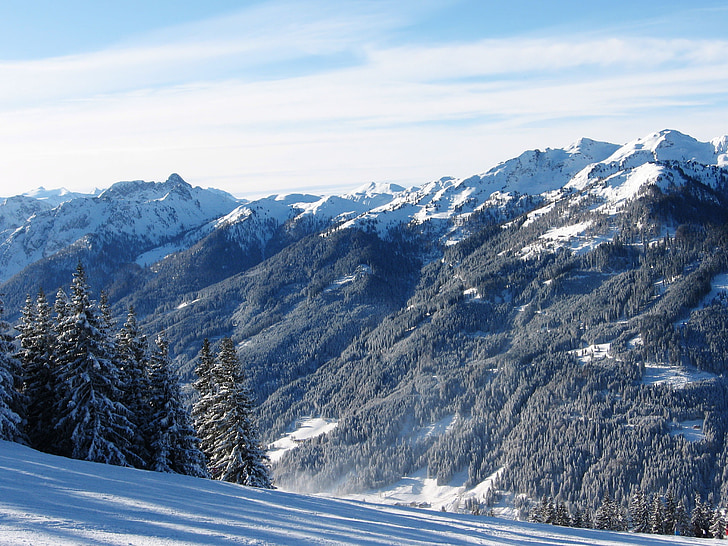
(555, 324)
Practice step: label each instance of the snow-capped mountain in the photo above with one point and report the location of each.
(41, 223)
(55, 197)
(568, 300)
(146, 213)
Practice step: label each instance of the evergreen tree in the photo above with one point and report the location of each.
(561, 515)
(62, 306)
(701, 518)
(682, 520)
(638, 513)
(174, 445)
(670, 515)
(544, 511)
(656, 519)
(717, 525)
(609, 515)
(108, 323)
(206, 389)
(233, 449)
(92, 419)
(11, 401)
(577, 519)
(40, 387)
(133, 358)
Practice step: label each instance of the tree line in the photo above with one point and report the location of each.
(73, 384)
(647, 513)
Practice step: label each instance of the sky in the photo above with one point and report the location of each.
(263, 97)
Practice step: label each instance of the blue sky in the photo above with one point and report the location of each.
(311, 95)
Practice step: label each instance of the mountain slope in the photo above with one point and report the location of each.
(108, 231)
(51, 500)
(564, 313)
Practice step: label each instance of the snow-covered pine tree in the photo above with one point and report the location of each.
(37, 340)
(670, 515)
(682, 519)
(547, 510)
(717, 525)
(639, 513)
(561, 515)
(577, 519)
(174, 445)
(656, 517)
(603, 515)
(236, 454)
(133, 358)
(609, 515)
(701, 518)
(202, 408)
(91, 416)
(11, 404)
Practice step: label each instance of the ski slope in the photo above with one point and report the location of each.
(51, 500)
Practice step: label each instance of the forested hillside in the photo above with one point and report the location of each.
(572, 340)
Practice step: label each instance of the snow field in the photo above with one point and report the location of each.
(48, 500)
(308, 428)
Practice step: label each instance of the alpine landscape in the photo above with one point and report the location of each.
(305, 272)
(544, 339)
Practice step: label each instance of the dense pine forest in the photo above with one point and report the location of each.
(74, 385)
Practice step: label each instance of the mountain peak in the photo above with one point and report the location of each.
(174, 178)
(376, 188)
(54, 197)
(721, 149)
(591, 149)
(665, 145)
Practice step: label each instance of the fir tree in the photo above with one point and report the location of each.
(36, 337)
(682, 519)
(670, 515)
(609, 515)
(717, 525)
(638, 513)
(234, 451)
(561, 515)
(701, 518)
(174, 445)
(206, 389)
(11, 404)
(92, 419)
(133, 358)
(62, 306)
(544, 511)
(577, 519)
(656, 519)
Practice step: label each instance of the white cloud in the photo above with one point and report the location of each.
(203, 102)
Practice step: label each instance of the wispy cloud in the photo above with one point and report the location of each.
(296, 97)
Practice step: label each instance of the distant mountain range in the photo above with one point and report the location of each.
(564, 312)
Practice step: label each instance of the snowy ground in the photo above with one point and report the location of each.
(593, 352)
(307, 428)
(51, 500)
(416, 490)
(677, 376)
(420, 491)
(719, 290)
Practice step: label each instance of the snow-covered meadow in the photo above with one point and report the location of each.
(51, 500)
